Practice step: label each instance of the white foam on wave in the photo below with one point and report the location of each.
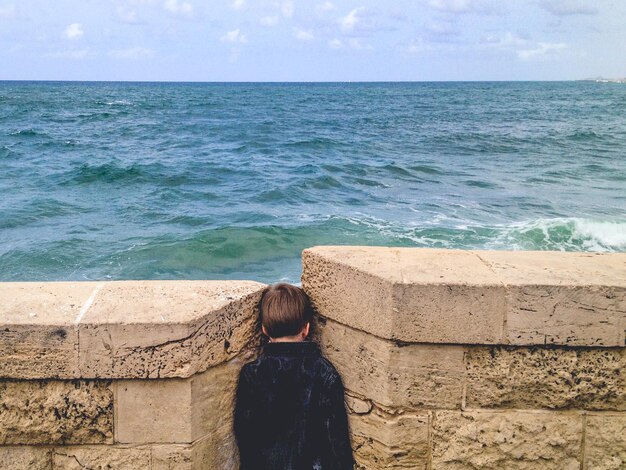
(119, 103)
(566, 233)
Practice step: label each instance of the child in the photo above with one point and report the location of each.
(289, 409)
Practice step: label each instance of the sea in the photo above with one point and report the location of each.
(233, 180)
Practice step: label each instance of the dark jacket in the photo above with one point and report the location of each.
(290, 412)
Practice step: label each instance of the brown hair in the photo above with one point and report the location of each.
(284, 310)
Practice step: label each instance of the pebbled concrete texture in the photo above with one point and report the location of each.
(26, 457)
(512, 440)
(605, 442)
(551, 378)
(56, 412)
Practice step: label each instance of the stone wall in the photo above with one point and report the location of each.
(451, 360)
(122, 375)
(476, 359)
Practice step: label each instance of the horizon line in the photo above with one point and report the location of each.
(293, 81)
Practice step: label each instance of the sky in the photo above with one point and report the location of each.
(317, 40)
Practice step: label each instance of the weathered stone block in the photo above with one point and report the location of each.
(172, 457)
(383, 439)
(562, 298)
(177, 410)
(56, 412)
(521, 377)
(148, 411)
(411, 295)
(25, 458)
(567, 315)
(161, 329)
(512, 440)
(605, 442)
(38, 338)
(102, 458)
(413, 375)
(216, 450)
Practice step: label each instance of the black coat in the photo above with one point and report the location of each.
(290, 412)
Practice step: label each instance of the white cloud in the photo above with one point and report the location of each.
(238, 4)
(74, 31)
(568, 7)
(364, 22)
(303, 35)
(287, 8)
(126, 14)
(7, 11)
(178, 7)
(269, 20)
(464, 6)
(418, 46)
(326, 6)
(506, 41)
(335, 43)
(349, 22)
(131, 53)
(234, 37)
(353, 43)
(542, 49)
(74, 54)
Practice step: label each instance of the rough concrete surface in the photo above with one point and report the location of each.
(512, 440)
(25, 458)
(101, 458)
(414, 375)
(56, 412)
(387, 439)
(605, 442)
(555, 378)
(471, 297)
(160, 329)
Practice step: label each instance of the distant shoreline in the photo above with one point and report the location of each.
(605, 80)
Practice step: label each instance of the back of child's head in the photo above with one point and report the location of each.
(285, 310)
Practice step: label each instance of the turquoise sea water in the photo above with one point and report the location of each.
(227, 181)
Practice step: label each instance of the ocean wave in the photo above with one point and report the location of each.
(119, 103)
(37, 211)
(114, 172)
(562, 234)
(6, 152)
(28, 133)
(267, 252)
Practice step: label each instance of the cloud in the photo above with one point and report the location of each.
(73, 54)
(362, 22)
(234, 37)
(303, 35)
(442, 32)
(7, 11)
(326, 6)
(335, 43)
(238, 4)
(568, 7)
(353, 43)
(418, 46)
(127, 15)
(269, 20)
(506, 41)
(349, 22)
(74, 31)
(463, 6)
(178, 7)
(287, 8)
(542, 49)
(131, 53)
